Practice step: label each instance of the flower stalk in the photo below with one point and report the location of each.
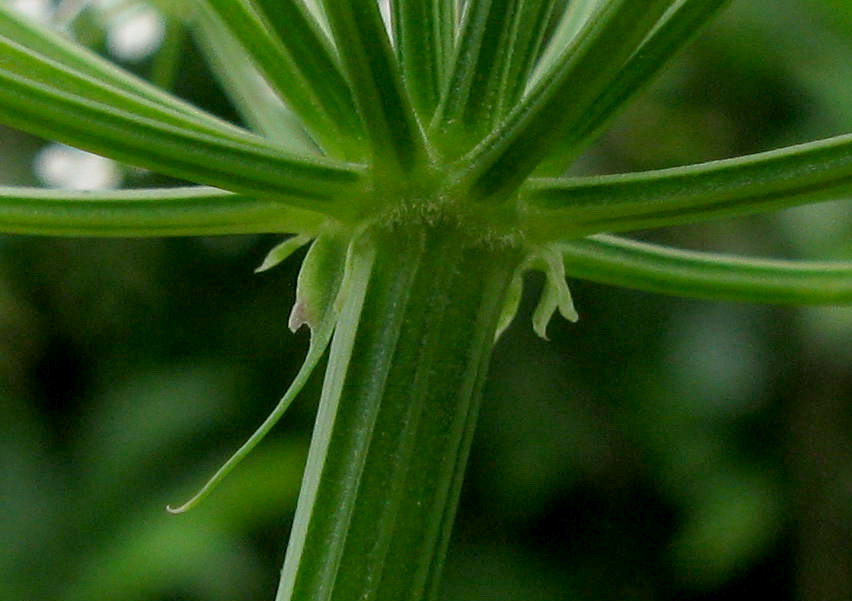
(417, 323)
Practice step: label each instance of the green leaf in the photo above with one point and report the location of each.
(194, 211)
(288, 48)
(282, 252)
(620, 262)
(319, 284)
(249, 92)
(677, 28)
(558, 208)
(46, 111)
(374, 74)
(499, 165)
(59, 54)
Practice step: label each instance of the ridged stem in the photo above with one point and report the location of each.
(396, 418)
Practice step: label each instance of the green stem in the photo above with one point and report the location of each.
(185, 211)
(397, 417)
(622, 262)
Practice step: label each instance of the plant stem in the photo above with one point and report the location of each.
(397, 416)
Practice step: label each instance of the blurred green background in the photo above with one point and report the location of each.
(660, 449)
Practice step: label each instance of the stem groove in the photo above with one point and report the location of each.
(396, 418)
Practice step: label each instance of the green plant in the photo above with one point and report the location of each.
(428, 184)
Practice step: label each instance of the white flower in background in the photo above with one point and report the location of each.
(134, 30)
(39, 10)
(135, 33)
(60, 166)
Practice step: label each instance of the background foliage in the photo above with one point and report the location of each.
(658, 449)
